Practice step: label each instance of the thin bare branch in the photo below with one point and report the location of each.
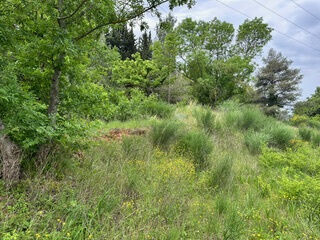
(75, 11)
(121, 20)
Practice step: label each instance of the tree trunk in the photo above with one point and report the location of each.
(55, 81)
(54, 93)
(10, 154)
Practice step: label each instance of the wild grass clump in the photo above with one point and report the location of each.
(205, 120)
(158, 108)
(316, 139)
(136, 148)
(196, 145)
(305, 133)
(255, 141)
(164, 133)
(251, 118)
(281, 135)
(221, 174)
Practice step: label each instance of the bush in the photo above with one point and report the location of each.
(281, 135)
(205, 119)
(305, 133)
(197, 146)
(152, 107)
(255, 141)
(164, 133)
(316, 139)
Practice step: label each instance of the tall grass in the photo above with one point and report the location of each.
(205, 119)
(221, 173)
(251, 118)
(197, 146)
(255, 141)
(305, 133)
(316, 139)
(281, 135)
(164, 133)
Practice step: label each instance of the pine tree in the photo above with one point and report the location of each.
(277, 83)
(124, 40)
(145, 46)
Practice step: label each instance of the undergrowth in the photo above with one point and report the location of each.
(225, 173)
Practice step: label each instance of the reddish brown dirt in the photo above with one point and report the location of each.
(117, 134)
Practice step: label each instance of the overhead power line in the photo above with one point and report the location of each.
(279, 32)
(306, 10)
(288, 20)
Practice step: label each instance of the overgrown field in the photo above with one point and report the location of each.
(227, 173)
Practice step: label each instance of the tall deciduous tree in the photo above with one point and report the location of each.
(212, 57)
(277, 83)
(48, 46)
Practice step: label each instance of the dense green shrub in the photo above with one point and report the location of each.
(196, 145)
(205, 119)
(164, 133)
(303, 158)
(281, 135)
(154, 107)
(305, 133)
(255, 141)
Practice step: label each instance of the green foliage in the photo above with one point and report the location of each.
(281, 135)
(227, 79)
(252, 118)
(123, 39)
(138, 105)
(153, 107)
(135, 148)
(252, 36)
(137, 73)
(164, 133)
(24, 118)
(197, 146)
(206, 119)
(218, 68)
(221, 173)
(309, 107)
(305, 133)
(255, 141)
(277, 84)
(316, 138)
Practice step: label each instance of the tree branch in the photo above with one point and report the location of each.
(123, 20)
(74, 12)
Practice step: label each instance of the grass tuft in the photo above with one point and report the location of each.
(196, 145)
(164, 133)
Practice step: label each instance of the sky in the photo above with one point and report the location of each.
(307, 58)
